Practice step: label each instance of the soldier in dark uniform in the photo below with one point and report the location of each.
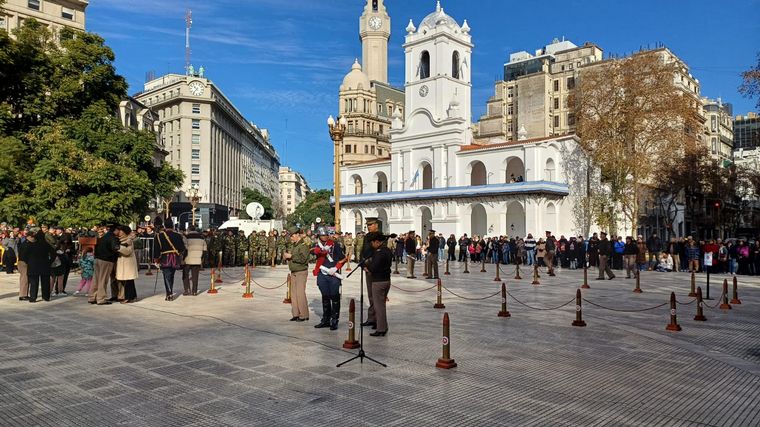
(366, 253)
(241, 246)
(330, 260)
(228, 251)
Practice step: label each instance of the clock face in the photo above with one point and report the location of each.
(375, 23)
(424, 91)
(197, 88)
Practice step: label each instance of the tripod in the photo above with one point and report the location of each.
(362, 355)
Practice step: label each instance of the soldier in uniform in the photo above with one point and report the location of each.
(271, 247)
(298, 262)
(330, 259)
(358, 245)
(282, 243)
(253, 248)
(262, 255)
(228, 251)
(208, 256)
(348, 241)
(241, 244)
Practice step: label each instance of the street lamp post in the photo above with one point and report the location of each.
(337, 131)
(194, 195)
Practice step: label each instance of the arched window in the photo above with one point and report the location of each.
(358, 186)
(550, 174)
(374, 5)
(455, 65)
(424, 65)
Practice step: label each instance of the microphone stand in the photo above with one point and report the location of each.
(362, 355)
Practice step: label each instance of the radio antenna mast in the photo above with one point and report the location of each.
(188, 25)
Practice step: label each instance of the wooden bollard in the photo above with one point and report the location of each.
(213, 289)
(700, 317)
(735, 297)
(578, 310)
(693, 289)
(498, 274)
(585, 278)
(351, 342)
(725, 305)
(466, 265)
(446, 362)
(395, 271)
(483, 265)
(535, 275)
(517, 272)
(287, 292)
(245, 270)
(637, 289)
(504, 312)
(439, 291)
(673, 325)
(446, 273)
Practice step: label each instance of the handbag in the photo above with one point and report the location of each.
(171, 259)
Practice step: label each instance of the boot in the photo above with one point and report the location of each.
(326, 311)
(335, 312)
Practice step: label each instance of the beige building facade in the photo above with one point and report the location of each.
(293, 189)
(134, 114)
(366, 99)
(55, 14)
(212, 143)
(718, 129)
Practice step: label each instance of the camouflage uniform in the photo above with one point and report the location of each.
(229, 250)
(359, 244)
(282, 240)
(349, 242)
(262, 241)
(210, 254)
(271, 248)
(253, 248)
(241, 246)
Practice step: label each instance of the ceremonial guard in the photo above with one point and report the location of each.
(298, 262)
(330, 260)
(359, 244)
(262, 253)
(348, 241)
(272, 247)
(253, 248)
(282, 244)
(210, 255)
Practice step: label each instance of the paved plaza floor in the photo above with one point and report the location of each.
(217, 360)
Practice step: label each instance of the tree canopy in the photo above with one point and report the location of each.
(316, 205)
(66, 158)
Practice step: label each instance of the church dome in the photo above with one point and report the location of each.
(439, 18)
(356, 79)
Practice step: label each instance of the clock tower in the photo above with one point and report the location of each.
(374, 32)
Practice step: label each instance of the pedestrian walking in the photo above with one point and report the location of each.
(604, 249)
(38, 255)
(196, 246)
(126, 264)
(169, 246)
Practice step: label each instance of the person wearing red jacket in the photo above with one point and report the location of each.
(330, 260)
(713, 248)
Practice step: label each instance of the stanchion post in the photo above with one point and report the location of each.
(735, 297)
(446, 362)
(498, 273)
(483, 265)
(248, 293)
(150, 266)
(700, 317)
(245, 269)
(693, 289)
(212, 290)
(219, 267)
(638, 290)
(446, 273)
(439, 297)
(504, 312)
(351, 342)
(707, 285)
(578, 310)
(466, 265)
(396, 270)
(585, 278)
(287, 292)
(535, 275)
(724, 305)
(673, 325)
(517, 272)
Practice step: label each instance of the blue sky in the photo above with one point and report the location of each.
(281, 61)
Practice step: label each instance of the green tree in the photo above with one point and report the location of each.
(66, 158)
(316, 205)
(250, 196)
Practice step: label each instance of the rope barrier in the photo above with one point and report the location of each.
(268, 288)
(413, 291)
(540, 308)
(717, 303)
(626, 311)
(471, 299)
(687, 303)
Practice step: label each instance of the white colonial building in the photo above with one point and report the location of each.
(436, 178)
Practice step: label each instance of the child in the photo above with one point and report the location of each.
(88, 268)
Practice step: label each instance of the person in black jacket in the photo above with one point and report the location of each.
(380, 267)
(106, 254)
(411, 254)
(604, 249)
(630, 251)
(38, 255)
(432, 255)
(452, 245)
(168, 244)
(366, 255)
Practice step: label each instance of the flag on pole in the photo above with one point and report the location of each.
(414, 179)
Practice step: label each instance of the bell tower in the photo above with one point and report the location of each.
(374, 32)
